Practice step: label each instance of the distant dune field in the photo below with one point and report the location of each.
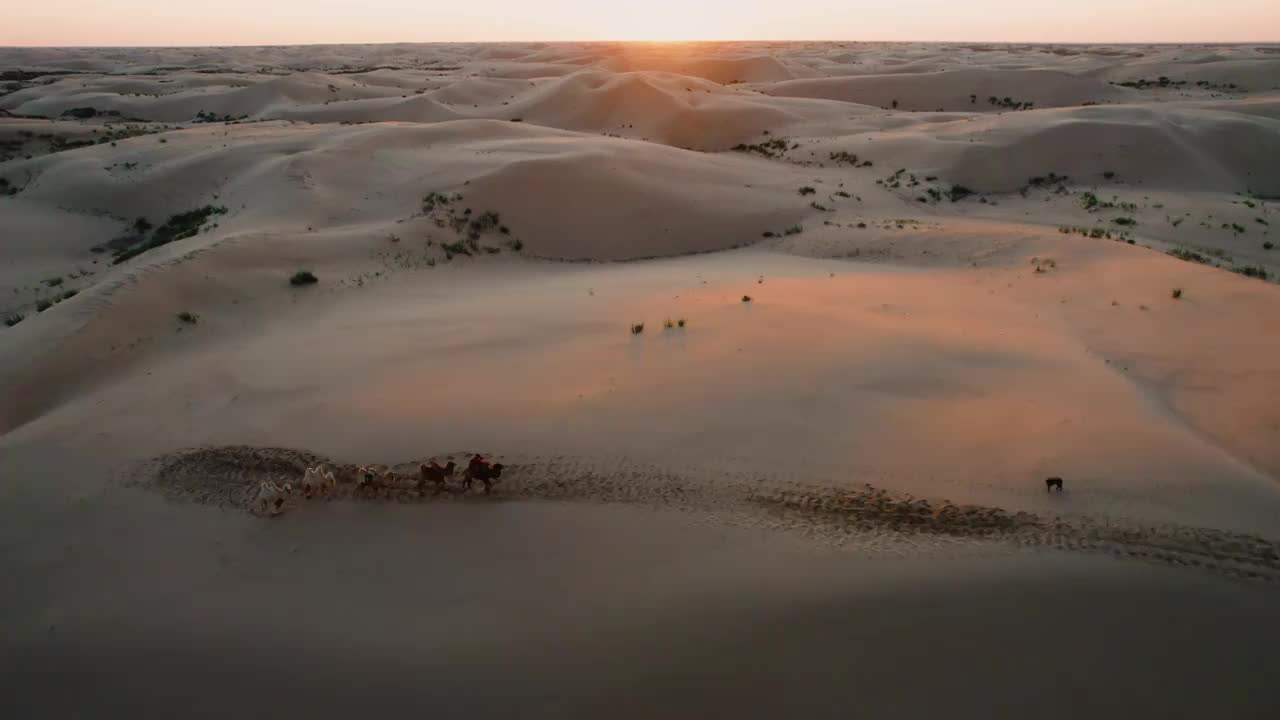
(860, 296)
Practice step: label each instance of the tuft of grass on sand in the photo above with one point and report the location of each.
(746, 298)
(680, 322)
(637, 328)
(43, 305)
(1177, 293)
(303, 277)
(188, 317)
(14, 319)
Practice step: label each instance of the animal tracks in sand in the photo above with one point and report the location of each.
(231, 477)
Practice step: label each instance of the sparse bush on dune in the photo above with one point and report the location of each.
(637, 328)
(42, 305)
(188, 317)
(177, 227)
(746, 298)
(1177, 293)
(807, 190)
(14, 319)
(774, 148)
(303, 277)
(1190, 256)
(1253, 271)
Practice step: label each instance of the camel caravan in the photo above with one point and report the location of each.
(374, 481)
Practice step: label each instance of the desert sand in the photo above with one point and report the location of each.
(905, 283)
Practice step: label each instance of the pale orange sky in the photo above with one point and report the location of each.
(262, 22)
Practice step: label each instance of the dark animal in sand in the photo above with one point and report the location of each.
(433, 473)
(483, 472)
(371, 480)
(1051, 483)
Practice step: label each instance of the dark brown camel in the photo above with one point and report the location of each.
(484, 472)
(433, 473)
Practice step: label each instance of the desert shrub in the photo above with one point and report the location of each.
(637, 328)
(1190, 256)
(303, 277)
(43, 305)
(680, 322)
(70, 294)
(14, 319)
(177, 227)
(432, 200)
(1124, 221)
(770, 148)
(456, 248)
(1110, 175)
(806, 190)
(1177, 293)
(1268, 245)
(1253, 271)
(53, 281)
(80, 113)
(188, 318)
(746, 298)
(668, 324)
(141, 225)
(793, 230)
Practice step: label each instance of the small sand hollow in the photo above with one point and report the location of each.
(230, 476)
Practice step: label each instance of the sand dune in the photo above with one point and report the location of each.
(956, 90)
(729, 281)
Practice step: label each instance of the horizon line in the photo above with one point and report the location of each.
(634, 41)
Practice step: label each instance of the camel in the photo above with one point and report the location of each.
(374, 478)
(318, 480)
(271, 498)
(484, 472)
(432, 472)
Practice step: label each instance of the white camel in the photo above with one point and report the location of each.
(271, 498)
(318, 480)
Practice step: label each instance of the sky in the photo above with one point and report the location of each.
(279, 22)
